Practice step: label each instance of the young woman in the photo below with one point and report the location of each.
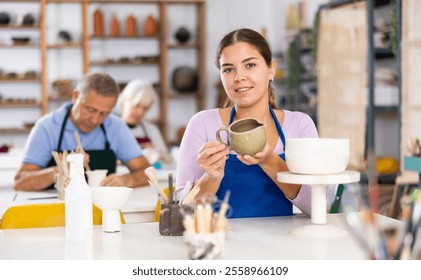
(246, 70)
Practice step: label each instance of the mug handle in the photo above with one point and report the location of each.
(218, 137)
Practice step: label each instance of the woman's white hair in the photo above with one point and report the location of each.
(136, 92)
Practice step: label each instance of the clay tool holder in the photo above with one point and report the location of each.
(172, 214)
(172, 217)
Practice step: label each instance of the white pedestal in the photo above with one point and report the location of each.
(318, 184)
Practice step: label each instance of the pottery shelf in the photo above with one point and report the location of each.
(26, 81)
(123, 37)
(19, 80)
(166, 44)
(19, 105)
(301, 82)
(128, 62)
(88, 41)
(19, 27)
(121, 64)
(23, 46)
(65, 46)
(14, 130)
(183, 46)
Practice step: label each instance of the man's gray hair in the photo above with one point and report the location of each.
(101, 83)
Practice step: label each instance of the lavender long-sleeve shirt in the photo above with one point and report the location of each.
(202, 129)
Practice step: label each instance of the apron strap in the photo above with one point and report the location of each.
(107, 144)
(63, 125)
(278, 127)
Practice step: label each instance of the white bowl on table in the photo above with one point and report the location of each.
(317, 156)
(110, 200)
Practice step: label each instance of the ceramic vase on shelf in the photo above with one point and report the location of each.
(131, 29)
(115, 26)
(150, 26)
(98, 23)
(182, 35)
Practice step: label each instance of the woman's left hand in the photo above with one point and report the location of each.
(256, 158)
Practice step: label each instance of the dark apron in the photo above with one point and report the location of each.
(98, 159)
(253, 193)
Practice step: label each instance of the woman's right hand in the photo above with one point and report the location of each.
(212, 157)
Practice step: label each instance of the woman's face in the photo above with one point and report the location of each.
(245, 75)
(133, 114)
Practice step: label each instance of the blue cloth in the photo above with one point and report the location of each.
(253, 193)
(44, 137)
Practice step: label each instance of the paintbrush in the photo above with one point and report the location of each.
(159, 191)
(416, 216)
(186, 190)
(405, 204)
(79, 149)
(373, 188)
(220, 221)
(192, 194)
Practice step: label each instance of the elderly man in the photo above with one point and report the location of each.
(104, 137)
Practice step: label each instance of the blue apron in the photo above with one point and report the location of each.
(253, 193)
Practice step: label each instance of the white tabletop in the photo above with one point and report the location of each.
(139, 208)
(256, 238)
(12, 159)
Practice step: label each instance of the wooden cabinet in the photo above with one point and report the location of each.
(153, 57)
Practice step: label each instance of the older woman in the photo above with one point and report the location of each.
(133, 104)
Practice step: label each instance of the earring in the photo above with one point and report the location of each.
(271, 79)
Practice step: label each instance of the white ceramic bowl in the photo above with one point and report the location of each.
(111, 198)
(317, 156)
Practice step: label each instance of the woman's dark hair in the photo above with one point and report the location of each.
(252, 38)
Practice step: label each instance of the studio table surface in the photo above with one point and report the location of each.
(247, 238)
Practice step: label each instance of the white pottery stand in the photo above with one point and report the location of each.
(318, 184)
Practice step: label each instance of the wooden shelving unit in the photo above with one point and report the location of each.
(85, 44)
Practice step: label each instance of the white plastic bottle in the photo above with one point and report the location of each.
(78, 197)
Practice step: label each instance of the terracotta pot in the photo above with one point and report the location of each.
(131, 26)
(98, 23)
(150, 26)
(115, 26)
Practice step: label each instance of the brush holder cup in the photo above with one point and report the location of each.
(171, 218)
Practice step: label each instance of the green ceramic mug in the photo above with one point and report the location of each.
(246, 136)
